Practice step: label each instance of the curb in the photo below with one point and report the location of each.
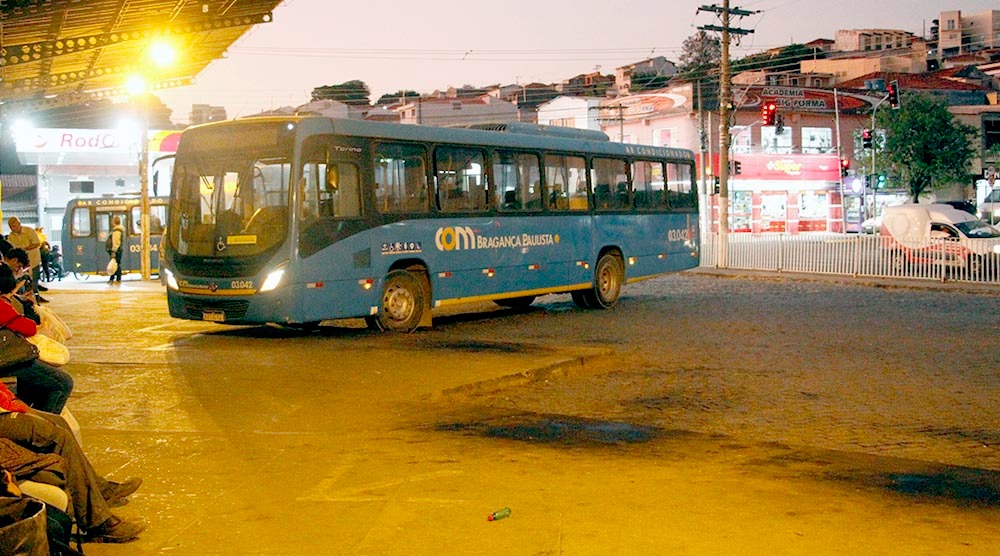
(867, 281)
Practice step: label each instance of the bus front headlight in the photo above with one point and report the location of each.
(171, 281)
(274, 278)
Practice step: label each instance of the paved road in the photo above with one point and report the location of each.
(704, 415)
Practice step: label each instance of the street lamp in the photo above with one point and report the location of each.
(161, 55)
(137, 90)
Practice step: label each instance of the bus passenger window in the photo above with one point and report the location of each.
(80, 226)
(610, 177)
(566, 178)
(460, 179)
(402, 179)
(341, 194)
(648, 185)
(516, 177)
(136, 217)
(679, 190)
(157, 216)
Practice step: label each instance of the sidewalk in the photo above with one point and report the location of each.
(871, 281)
(130, 282)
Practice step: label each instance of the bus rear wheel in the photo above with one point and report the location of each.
(402, 305)
(609, 275)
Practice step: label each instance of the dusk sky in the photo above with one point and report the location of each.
(434, 44)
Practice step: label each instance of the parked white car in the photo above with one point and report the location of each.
(989, 209)
(939, 234)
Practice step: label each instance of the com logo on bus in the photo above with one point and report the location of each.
(456, 238)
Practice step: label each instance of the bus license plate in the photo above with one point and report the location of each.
(214, 316)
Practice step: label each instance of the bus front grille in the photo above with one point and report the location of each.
(232, 309)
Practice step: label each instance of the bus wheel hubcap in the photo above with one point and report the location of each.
(398, 303)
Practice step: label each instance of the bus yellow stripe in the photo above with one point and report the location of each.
(508, 295)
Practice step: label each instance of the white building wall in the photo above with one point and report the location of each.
(566, 111)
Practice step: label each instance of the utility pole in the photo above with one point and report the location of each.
(620, 118)
(725, 102)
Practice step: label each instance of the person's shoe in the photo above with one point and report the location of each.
(114, 530)
(42, 288)
(116, 491)
(41, 299)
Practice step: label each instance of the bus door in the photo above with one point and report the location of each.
(102, 226)
(157, 219)
(334, 256)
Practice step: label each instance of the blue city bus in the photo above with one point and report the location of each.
(87, 223)
(297, 220)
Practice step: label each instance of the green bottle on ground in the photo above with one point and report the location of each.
(499, 514)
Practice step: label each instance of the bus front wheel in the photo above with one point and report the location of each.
(402, 305)
(609, 275)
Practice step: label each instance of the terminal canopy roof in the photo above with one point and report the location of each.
(62, 52)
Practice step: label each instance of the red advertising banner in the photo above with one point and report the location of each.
(782, 167)
(788, 167)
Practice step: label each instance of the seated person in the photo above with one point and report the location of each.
(17, 259)
(91, 495)
(41, 386)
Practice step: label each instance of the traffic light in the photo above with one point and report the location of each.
(845, 165)
(779, 124)
(866, 138)
(880, 181)
(737, 167)
(718, 185)
(768, 110)
(893, 91)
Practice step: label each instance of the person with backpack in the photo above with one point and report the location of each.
(114, 243)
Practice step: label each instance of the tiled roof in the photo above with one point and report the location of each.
(926, 81)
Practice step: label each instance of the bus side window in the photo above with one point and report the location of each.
(340, 196)
(517, 178)
(157, 216)
(567, 185)
(610, 176)
(80, 226)
(401, 175)
(460, 179)
(679, 189)
(136, 217)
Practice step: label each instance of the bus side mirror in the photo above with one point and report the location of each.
(331, 182)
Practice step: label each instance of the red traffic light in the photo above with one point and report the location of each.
(893, 96)
(866, 138)
(767, 112)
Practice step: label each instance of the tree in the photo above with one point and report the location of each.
(399, 96)
(354, 93)
(700, 53)
(926, 144)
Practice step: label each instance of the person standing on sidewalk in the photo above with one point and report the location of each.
(117, 238)
(27, 239)
(46, 251)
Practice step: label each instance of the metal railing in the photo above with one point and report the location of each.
(857, 255)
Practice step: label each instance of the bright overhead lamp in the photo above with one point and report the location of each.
(162, 53)
(135, 85)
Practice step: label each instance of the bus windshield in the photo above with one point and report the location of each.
(229, 205)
